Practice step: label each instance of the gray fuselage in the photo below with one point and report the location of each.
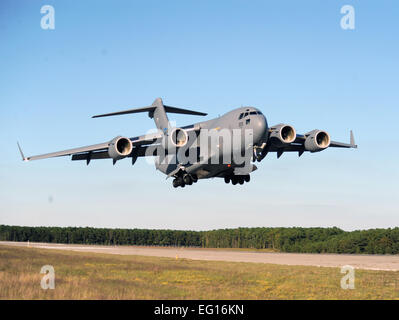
(244, 119)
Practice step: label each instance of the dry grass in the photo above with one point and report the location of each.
(101, 276)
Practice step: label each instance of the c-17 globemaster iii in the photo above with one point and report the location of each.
(223, 147)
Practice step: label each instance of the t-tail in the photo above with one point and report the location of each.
(157, 111)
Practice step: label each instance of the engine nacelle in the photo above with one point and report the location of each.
(176, 138)
(282, 134)
(119, 148)
(317, 140)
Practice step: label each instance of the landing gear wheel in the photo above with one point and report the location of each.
(241, 180)
(227, 179)
(194, 177)
(234, 180)
(187, 179)
(178, 182)
(247, 178)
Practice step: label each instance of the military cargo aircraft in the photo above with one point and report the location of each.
(223, 147)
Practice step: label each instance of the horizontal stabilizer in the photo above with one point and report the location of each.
(184, 111)
(169, 109)
(145, 109)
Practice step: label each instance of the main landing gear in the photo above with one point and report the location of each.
(237, 179)
(186, 179)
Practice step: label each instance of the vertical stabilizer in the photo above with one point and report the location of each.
(159, 114)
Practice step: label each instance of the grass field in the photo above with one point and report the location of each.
(101, 276)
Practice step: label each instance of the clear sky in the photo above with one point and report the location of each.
(291, 59)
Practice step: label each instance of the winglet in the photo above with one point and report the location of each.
(352, 141)
(22, 154)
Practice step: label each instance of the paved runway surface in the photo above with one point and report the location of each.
(371, 262)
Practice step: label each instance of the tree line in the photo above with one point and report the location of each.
(305, 240)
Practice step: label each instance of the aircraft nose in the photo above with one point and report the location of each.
(260, 128)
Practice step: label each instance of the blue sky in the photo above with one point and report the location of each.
(291, 59)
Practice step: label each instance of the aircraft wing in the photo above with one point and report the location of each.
(95, 151)
(300, 139)
(298, 145)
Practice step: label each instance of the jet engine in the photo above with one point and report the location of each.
(176, 138)
(317, 140)
(119, 148)
(282, 134)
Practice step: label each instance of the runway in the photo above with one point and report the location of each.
(369, 262)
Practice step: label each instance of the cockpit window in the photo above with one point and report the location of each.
(247, 121)
(243, 115)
